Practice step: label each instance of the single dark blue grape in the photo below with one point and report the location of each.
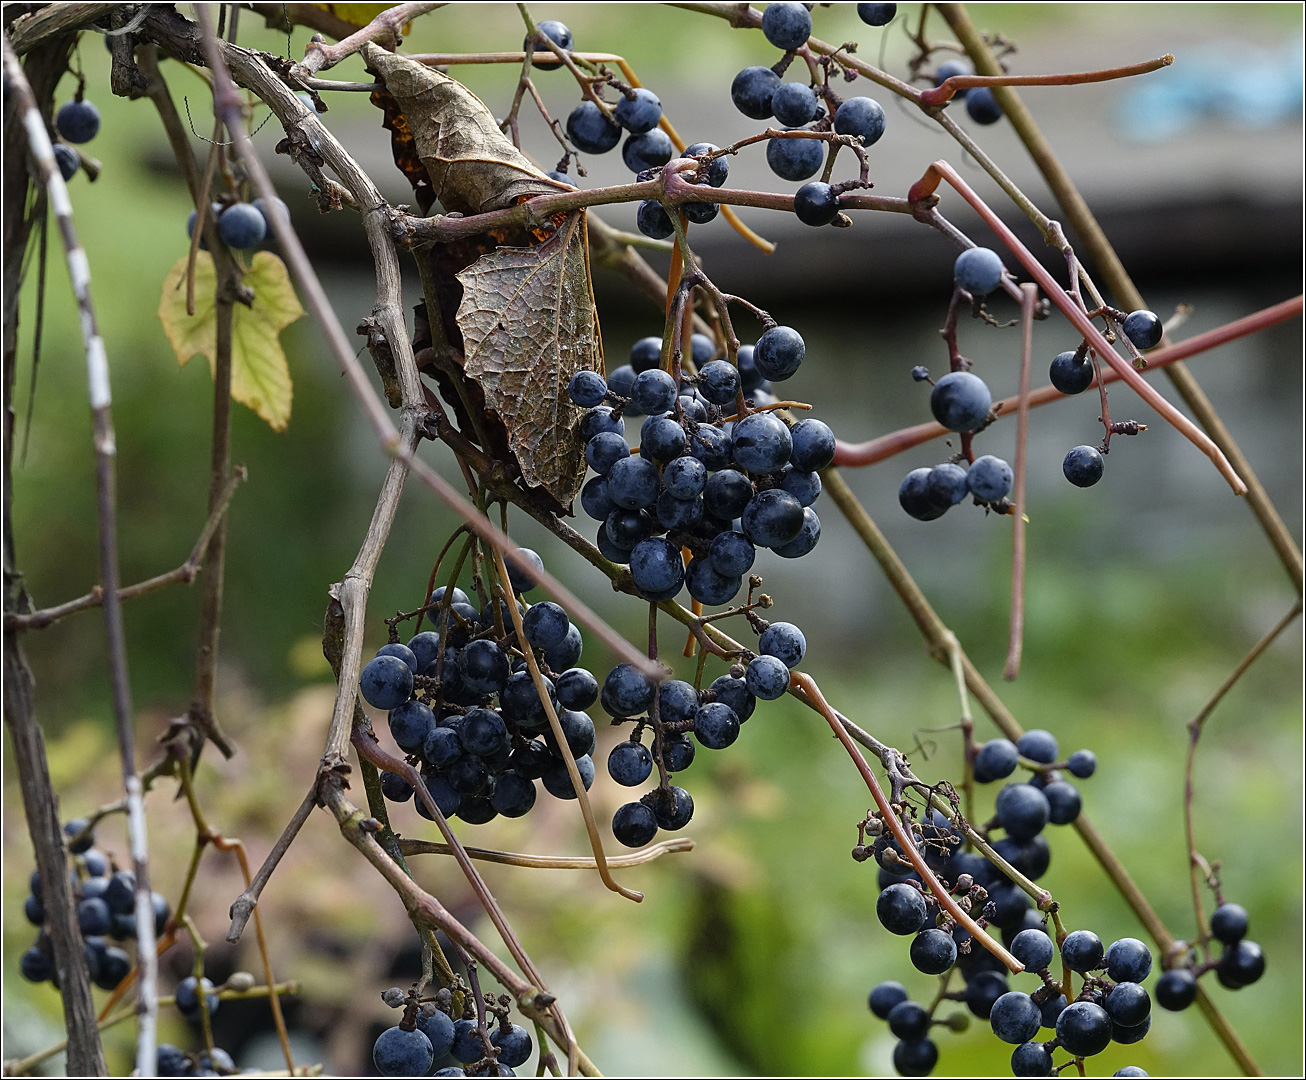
(1038, 745)
(1176, 989)
(560, 36)
(171, 1061)
(557, 780)
(677, 701)
(785, 642)
(1241, 964)
(639, 113)
(34, 911)
(633, 483)
(915, 1057)
(1126, 1036)
(653, 220)
(816, 204)
(98, 887)
(626, 692)
(483, 732)
(862, 117)
(945, 486)
(752, 91)
(989, 479)
(915, 497)
(812, 445)
(36, 965)
(587, 389)
(623, 529)
(715, 725)
(600, 417)
(187, 997)
(523, 580)
(657, 569)
(735, 693)
(386, 682)
(1084, 1029)
(1031, 1059)
(877, 14)
(805, 541)
(983, 988)
(514, 1045)
(948, 69)
(1143, 329)
(485, 667)
(677, 752)
(654, 392)
(1128, 1004)
(685, 477)
(85, 841)
(794, 159)
(242, 226)
(445, 796)
(94, 918)
(1031, 857)
(978, 270)
(458, 597)
(410, 723)
(467, 1045)
(777, 355)
(884, 996)
(531, 760)
(983, 106)
(394, 787)
(761, 443)
(708, 586)
(1014, 1018)
(1082, 951)
(1068, 376)
(68, 160)
(727, 492)
(794, 104)
(933, 951)
(651, 150)
(1063, 802)
(467, 776)
(908, 1019)
(438, 1029)
(1083, 466)
(120, 894)
(661, 439)
(594, 498)
(577, 688)
(711, 446)
(1010, 903)
(901, 910)
(1082, 764)
(96, 863)
(630, 763)
(402, 1053)
(214, 210)
(772, 518)
(1051, 1009)
(960, 401)
(545, 625)
(678, 514)
(1131, 1070)
(718, 382)
(719, 168)
(1033, 948)
(78, 121)
(403, 652)
(1228, 923)
(786, 25)
(803, 486)
(1022, 810)
(645, 355)
(162, 912)
(634, 825)
(450, 1071)
(700, 212)
(749, 377)
(767, 678)
(513, 794)
(278, 206)
(113, 968)
(731, 554)
(673, 809)
(605, 450)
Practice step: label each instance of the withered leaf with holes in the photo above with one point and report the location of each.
(528, 325)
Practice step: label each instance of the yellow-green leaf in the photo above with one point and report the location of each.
(260, 376)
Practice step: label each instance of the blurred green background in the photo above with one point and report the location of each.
(752, 954)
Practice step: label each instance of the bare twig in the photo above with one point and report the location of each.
(243, 906)
(552, 862)
(947, 89)
(1015, 639)
(384, 29)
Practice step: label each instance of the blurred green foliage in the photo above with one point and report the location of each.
(754, 953)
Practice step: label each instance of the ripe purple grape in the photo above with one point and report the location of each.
(1083, 466)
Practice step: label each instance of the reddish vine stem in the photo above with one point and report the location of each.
(945, 91)
(1016, 634)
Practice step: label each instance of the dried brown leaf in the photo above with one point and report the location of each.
(473, 166)
(528, 323)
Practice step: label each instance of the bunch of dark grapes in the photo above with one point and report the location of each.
(718, 489)
(961, 402)
(429, 1041)
(105, 899)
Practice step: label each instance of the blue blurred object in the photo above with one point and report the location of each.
(1235, 85)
